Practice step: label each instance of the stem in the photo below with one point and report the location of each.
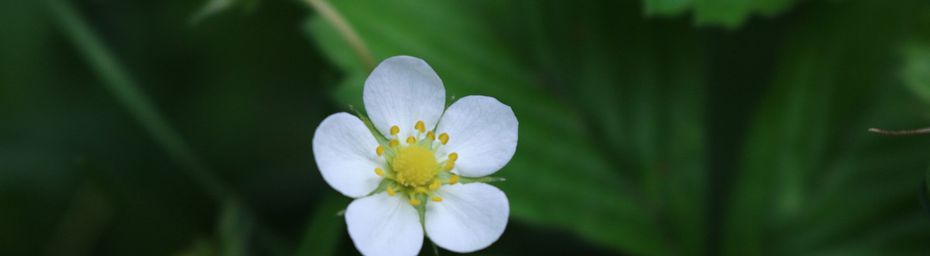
(922, 131)
(342, 26)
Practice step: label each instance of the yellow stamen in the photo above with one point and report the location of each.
(449, 165)
(420, 190)
(411, 140)
(430, 135)
(437, 199)
(444, 138)
(420, 126)
(395, 130)
(435, 185)
(454, 179)
(454, 156)
(393, 143)
(414, 201)
(379, 171)
(379, 150)
(391, 191)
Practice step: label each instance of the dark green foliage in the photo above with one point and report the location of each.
(655, 127)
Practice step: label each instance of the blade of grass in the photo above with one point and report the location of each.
(126, 91)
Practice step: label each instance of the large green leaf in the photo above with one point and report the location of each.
(813, 181)
(639, 87)
(618, 165)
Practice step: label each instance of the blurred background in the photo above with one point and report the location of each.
(648, 127)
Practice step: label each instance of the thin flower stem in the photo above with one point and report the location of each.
(342, 26)
(922, 131)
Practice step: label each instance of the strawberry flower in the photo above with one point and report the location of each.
(415, 169)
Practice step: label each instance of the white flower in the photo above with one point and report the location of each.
(416, 170)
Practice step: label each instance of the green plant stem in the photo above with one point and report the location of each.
(331, 15)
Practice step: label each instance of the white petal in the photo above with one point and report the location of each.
(384, 225)
(401, 91)
(469, 218)
(344, 149)
(482, 131)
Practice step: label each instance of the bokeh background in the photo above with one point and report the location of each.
(648, 127)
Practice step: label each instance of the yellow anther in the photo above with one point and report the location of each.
(444, 138)
(453, 156)
(379, 171)
(393, 143)
(420, 126)
(395, 130)
(454, 179)
(449, 165)
(411, 140)
(391, 191)
(430, 135)
(379, 150)
(435, 185)
(437, 199)
(414, 201)
(420, 190)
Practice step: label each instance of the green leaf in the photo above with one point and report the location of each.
(812, 180)
(733, 13)
(725, 13)
(234, 230)
(666, 7)
(215, 7)
(916, 71)
(325, 228)
(641, 93)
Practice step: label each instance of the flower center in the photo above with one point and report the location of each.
(414, 169)
(414, 165)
